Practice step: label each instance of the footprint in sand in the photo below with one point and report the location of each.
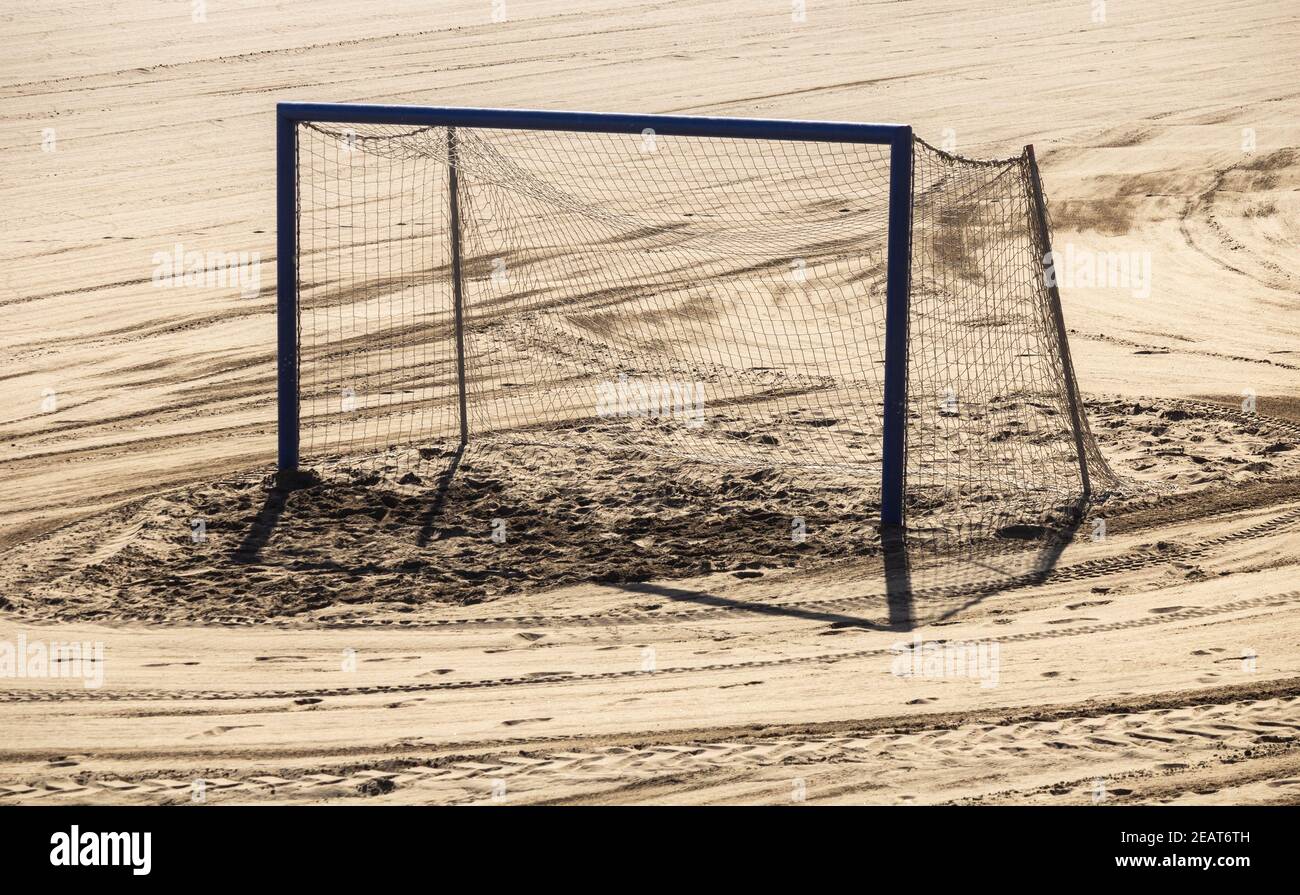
(218, 731)
(530, 639)
(516, 721)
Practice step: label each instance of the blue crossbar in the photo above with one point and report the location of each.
(595, 122)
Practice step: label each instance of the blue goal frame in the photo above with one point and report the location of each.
(897, 136)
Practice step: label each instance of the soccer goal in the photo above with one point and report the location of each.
(722, 290)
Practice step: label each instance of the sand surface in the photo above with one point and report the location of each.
(364, 642)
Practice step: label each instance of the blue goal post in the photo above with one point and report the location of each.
(898, 137)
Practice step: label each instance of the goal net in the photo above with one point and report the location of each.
(719, 300)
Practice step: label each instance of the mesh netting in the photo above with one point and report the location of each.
(989, 377)
(721, 300)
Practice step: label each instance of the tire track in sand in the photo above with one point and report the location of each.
(1157, 738)
(1164, 618)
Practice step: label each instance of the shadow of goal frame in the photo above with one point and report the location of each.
(901, 149)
